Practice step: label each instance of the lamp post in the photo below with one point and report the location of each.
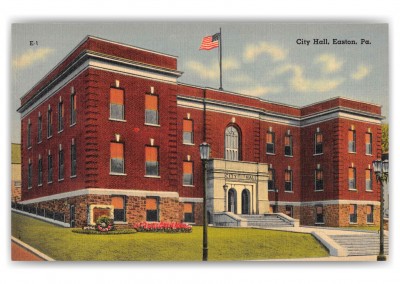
(204, 156)
(381, 169)
(225, 190)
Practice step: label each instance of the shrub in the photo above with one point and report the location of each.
(167, 227)
(104, 224)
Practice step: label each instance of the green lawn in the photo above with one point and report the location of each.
(224, 243)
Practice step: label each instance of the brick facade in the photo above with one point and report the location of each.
(97, 65)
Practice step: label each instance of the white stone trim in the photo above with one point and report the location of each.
(132, 70)
(91, 60)
(102, 191)
(263, 115)
(191, 199)
(325, 202)
(101, 206)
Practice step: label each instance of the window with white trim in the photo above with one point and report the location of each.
(351, 141)
(151, 109)
(117, 163)
(270, 142)
(368, 143)
(288, 180)
(319, 145)
(368, 180)
(73, 158)
(352, 178)
(319, 180)
(117, 104)
(232, 141)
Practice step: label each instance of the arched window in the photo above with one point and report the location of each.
(232, 143)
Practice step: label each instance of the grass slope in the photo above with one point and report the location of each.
(224, 244)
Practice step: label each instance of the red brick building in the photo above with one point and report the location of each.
(110, 130)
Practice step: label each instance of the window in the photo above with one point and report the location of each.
(30, 174)
(288, 145)
(119, 208)
(368, 143)
(188, 212)
(152, 167)
(188, 131)
(270, 138)
(288, 180)
(271, 179)
(151, 109)
(319, 214)
(353, 213)
(49, 123)
(319, 180)
(117, 104)
(60, 116)
(60, 164)
(152, 209)
(319, 149)
(49, 168)
(117, 158)
(73, 158)
(352, 178)
(40, 171)
(352, 141)
(289, 210)
(231, 144)
(40, 128)
(370, 214)
(73, 109)
(29, 134)
(368, 180)
(187, 173)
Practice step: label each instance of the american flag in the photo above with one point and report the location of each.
(210, 42)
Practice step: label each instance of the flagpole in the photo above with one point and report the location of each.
(220, 59)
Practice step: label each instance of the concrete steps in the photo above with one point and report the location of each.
(265, 221)
(361, 244)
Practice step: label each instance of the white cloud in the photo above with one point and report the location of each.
(259, 91)
(300, 83)
(361, 72)
(31, 57)
(240, 78)
(329, 62)
(211, 71)
(252, 51)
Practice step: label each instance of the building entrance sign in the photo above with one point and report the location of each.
(239, 176)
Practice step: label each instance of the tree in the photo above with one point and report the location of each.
(385, 138)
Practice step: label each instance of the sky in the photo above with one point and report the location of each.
(268, 60)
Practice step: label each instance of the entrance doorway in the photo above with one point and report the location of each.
(232, 200)
(245, 201)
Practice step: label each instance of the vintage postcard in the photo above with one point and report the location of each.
(236, 141)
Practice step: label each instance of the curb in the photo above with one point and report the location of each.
(31, 249)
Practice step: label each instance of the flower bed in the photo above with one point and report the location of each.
(104, 224)
(95, 232)
(167, 227)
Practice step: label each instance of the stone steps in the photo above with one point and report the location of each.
(265, 221)
(361, 244)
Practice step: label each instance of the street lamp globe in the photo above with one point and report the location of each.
(204, 151)
(377, 164)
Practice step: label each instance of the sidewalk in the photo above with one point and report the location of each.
(21, 251)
